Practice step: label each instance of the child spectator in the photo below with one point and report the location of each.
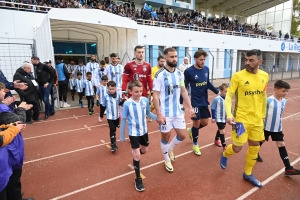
(79, 88)
(135, 109)
(111, 101)
(273, 123)
(219, 116)
(88, 92)
(101, 92)
(72, 86)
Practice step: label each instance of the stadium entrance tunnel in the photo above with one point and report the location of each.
(111, 33)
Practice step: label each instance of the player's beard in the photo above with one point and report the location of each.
(172, 64)
(199, 66)
(251, 69)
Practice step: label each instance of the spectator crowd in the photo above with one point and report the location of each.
(164, 17)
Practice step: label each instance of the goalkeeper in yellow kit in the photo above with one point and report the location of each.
(249, 87)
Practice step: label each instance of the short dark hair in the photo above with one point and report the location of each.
(88, 73)
(138, 47)
(60, 58)
(170, 49)
(102, 62)
(104, 78)
(199, 53)
(134, 83)
(80, 61)
(79, 73)
(2, 86)
(111, 84)
(223, 86)
(35, 58)
(113, 55)
(254, 52)
(282, 84)
(160, 57)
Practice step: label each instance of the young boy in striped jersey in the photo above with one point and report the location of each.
(72, 86)
(135, 109)
(88, 92)
(79, 88)
(101, 92)
(219, 116)
(112, 101)
(273, 123)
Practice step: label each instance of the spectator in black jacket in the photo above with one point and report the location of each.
(30, 94)
(53, 91)
(44, 75)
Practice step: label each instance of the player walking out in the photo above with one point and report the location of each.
(197, 78)
(249, 87)
(167, 88)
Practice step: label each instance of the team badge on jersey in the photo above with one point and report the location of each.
(196, 77)
(205, 74)
(144, 68)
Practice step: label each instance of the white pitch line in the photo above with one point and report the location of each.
(63, 132)
(125, 174)
(77, 150)
(266, 181)
(53, 120)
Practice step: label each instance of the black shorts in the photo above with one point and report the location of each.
(136, 141)
(276, 136)
(221, 125)
(201, 112)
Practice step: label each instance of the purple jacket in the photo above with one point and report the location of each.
(16, 147)
(5, 168)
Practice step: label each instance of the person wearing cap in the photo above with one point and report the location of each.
(185, 64)
(53, 92)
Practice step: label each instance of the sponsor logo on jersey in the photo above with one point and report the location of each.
(201, 84)
(252, 93)
(247, 83)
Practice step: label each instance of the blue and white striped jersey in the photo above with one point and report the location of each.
(218, 109)
(114, 73)
(72, 69)
(89, 88)
(136, 113)
(112, 106)
(101, 91)
(82, 69)
(92, 67)
(79, 85)
(273, 120)
(169, 85)
(72, 84)
(97, 76)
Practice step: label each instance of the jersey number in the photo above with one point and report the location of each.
(195, 110)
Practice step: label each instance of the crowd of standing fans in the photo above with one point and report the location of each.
(164, 17)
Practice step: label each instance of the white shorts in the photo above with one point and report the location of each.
(177, 122)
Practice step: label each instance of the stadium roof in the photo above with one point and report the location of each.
(239, 7)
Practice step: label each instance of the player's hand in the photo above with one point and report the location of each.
(97, 103)
(161, 119)
(230, 121)
(192, 113)
(213, 120)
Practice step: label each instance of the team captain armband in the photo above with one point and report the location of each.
(182, 83)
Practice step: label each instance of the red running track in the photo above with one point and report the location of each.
(68, 157)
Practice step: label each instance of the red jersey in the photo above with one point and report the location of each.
(142, 72)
